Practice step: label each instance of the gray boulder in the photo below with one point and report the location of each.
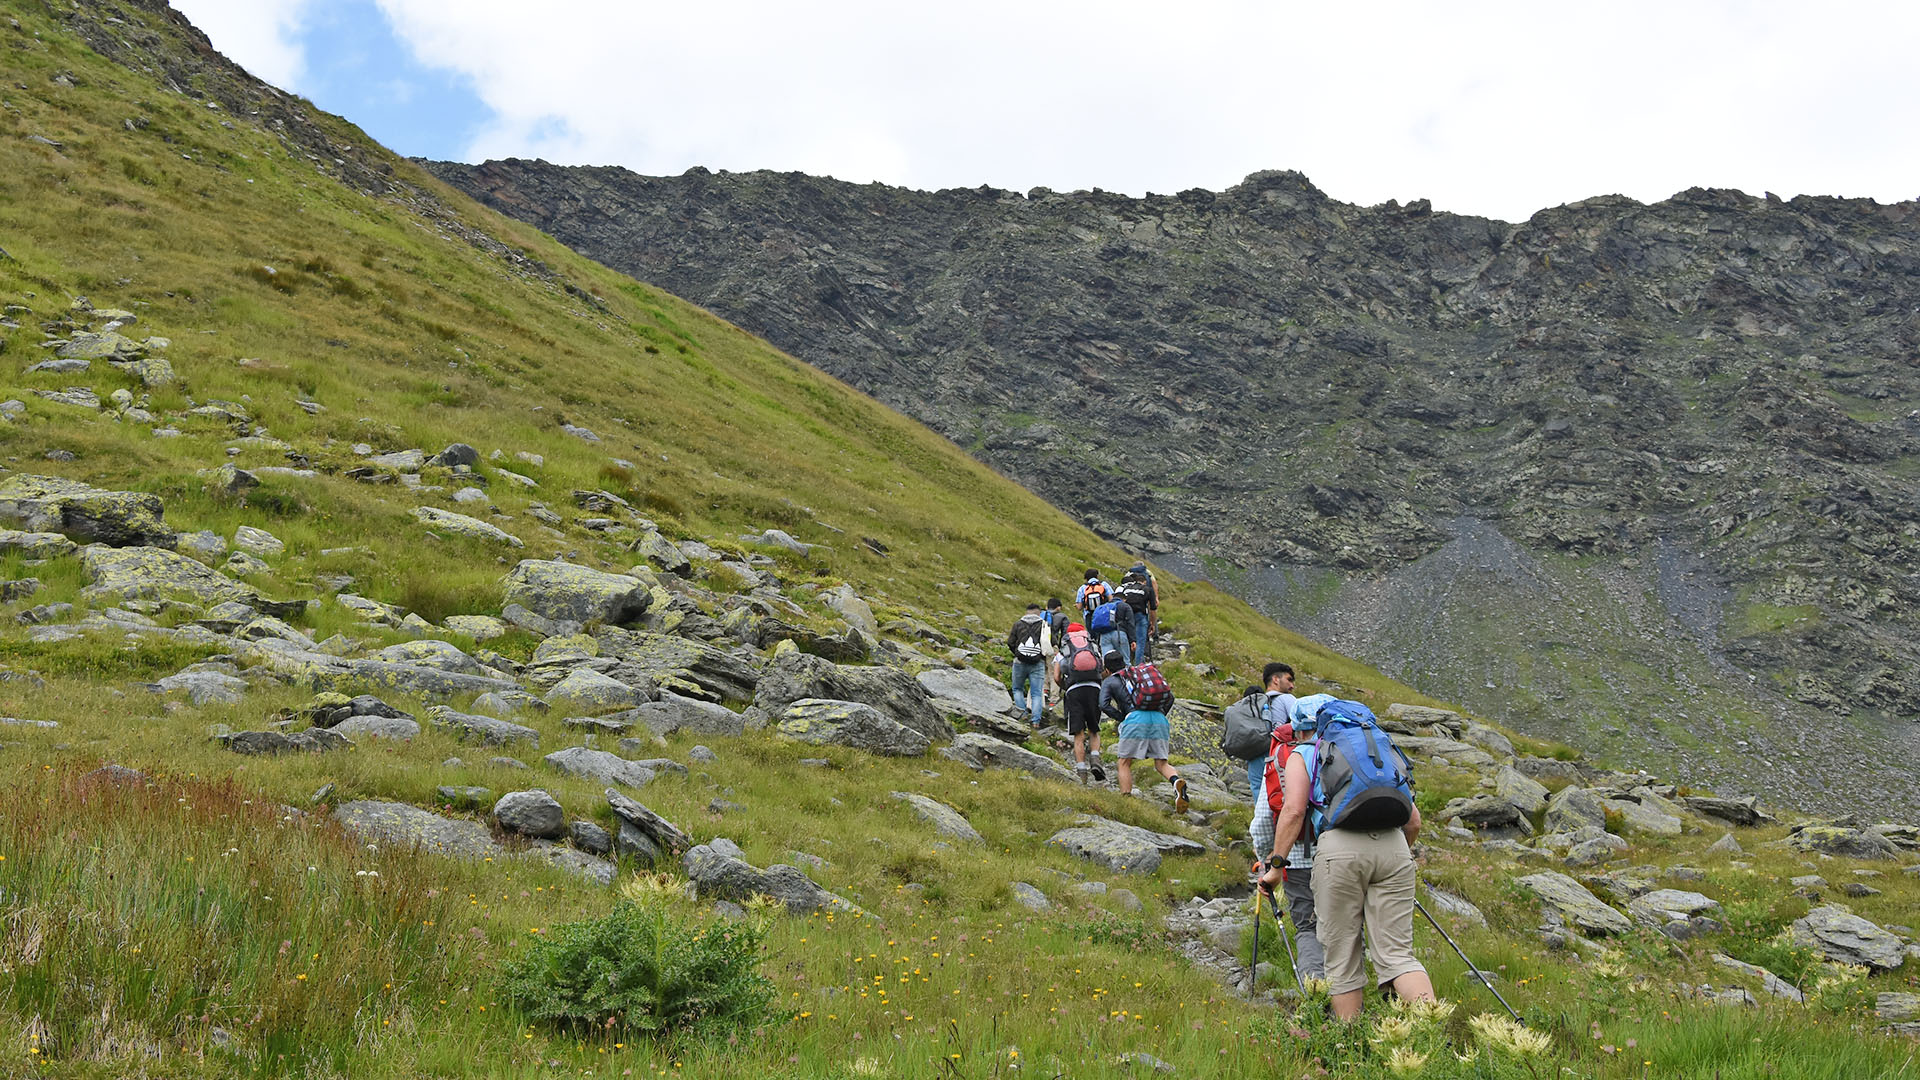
(322, 671)
(1771, 983)
(1572, 808)
(531, 813)
(1847, 842)
(484, 730)
(796, 676)
(36, 545)
(945, 820)
(1520, 790)
(979, 751)
(83, 512)
(1644, 816)
(439, 655)
(722, 876)
(1677, 913)
(682, 665)
(852, 724)
(1843, 937)
(589, 692)
(473, 528)
(1029, 897)
(674, 712)
(379, 727)
(662, 553)
(410, 828)
(1744, 811)
(590, 838)
(660, 834)
(567, 593)
(965, 692)
(1491, 813)
(1119, 846)
(455, 454)
(151, 573)
(847, 603)
(1489, 739)
(1571, 901)
(205, 687)
(594, 871)
(600, 765)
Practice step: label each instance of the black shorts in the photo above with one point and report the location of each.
(1083, 709)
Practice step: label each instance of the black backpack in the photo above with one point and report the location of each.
(1024, 639)
(1136, 592)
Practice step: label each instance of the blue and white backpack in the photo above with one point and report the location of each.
(1360, 780)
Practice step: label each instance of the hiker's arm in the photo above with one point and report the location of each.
(1412, 827)
(1293, 808)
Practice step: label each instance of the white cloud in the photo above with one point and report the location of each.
(259, 35)
(1497, 107)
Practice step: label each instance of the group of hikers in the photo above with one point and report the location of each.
(1333, 814)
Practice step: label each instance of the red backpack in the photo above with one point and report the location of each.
(1081, 664)
(1150, 690)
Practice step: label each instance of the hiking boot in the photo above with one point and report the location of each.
(1179, 795)
(1081, 772)
(1099, 770)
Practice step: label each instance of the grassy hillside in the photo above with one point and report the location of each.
(214, 922)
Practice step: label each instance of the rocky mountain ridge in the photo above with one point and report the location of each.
(1710, 400)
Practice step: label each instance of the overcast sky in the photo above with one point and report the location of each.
(1494, 108)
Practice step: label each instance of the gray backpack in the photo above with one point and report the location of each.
(1246, 733)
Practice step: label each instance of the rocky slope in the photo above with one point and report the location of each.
(1718, 383)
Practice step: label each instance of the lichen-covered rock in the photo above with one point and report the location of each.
(461, 525)
(258, 542)
(896, 694)
(103, 345)
(1119, 846)
(1676, 912)
(1571, 901)
(1847, 842)
(979, 751)
(588, 692)
(662, 553)
(326, 672)
(411, 828)
(402, 728)
(477, 627)
(151, 573)
(1843, 937)
(600, 765)
(83, 512)
(566, 648)
(311, 741)
(1644, 816)
(567, 593)
(852, 724)
(36, 545)
(945, 820)
(531, 813)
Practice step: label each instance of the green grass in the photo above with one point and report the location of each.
(164, 931)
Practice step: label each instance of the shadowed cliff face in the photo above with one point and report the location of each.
(1272, 378)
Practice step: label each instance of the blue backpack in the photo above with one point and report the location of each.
(1361, 781)
(1102, 620)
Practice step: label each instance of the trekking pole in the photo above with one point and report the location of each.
(1478, 975)
(1285, 941)
(1253, 965)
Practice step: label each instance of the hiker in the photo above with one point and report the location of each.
(1276, 680)
(1093, 592)
(1057, 623)
(1359, 874)
(1031, 643)
(1143, 596)
(1144, 733)
(1079, 670)
(1110, 623)
(1297, 881)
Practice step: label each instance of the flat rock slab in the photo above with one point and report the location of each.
(661, 833)
(1573, 808)
(1846, 938)
(850, 724)
(945, 820)
(1845, 842)
(439, 655)
(1644, 817)
(602, 766)
(897, 695)
(1122, 847)
(1771, 983)
(964, 691)
(484, 730)
(311, 741)
(409, 827)
(564, 592)
(979, 751)
(722, 876)
(151, 573)
(325, 672)
(379, 727)
(1574, 904)
(461, 525)
(675, 712)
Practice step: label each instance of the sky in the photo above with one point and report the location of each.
(1491, 107)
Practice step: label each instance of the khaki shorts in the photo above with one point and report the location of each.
(1364, 877)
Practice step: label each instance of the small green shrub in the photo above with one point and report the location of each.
(637, 970)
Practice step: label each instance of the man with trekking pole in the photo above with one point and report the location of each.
(1361, 833)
